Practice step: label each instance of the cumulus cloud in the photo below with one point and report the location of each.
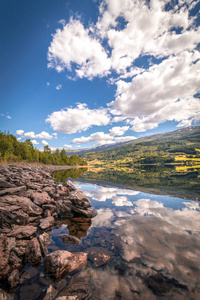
(75, 44)
(163, 92)
(67, 146)
(78, 119)
(42, 135)
(161, 34)
(101, 138)
(45, 143)
(34, 142)
(19, 132)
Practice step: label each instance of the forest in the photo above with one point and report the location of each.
(182, 150)
(11, 150)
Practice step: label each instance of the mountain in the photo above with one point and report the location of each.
(158, 148)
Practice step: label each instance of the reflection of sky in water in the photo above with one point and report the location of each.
(163, 231)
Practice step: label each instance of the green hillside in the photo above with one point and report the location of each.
(182, 145)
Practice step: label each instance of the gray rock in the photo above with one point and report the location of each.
(21, 232)
(63, 208)
(99, 256)
(33, 252)
(79, 198)
(46, 222)
(5, 296)
(50, 293)
(41, 198)
(74, 292)
(88, 213)
(69, 239)
(12, 190)
(13, 278)
(61, 262)
(69, 185)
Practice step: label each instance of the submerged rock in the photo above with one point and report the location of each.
(74, 292)
(69, 239)
(61, 262)
(99, 256)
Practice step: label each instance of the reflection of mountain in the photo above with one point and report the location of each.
(157, 180)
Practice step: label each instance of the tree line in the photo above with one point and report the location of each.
(11, 150)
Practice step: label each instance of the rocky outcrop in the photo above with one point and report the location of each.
(31, 202)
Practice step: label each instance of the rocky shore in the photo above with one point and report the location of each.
(31, 203)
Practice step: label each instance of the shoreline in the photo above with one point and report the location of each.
(30, 204)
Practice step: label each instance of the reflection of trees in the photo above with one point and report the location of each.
(63, 175)
(165, 179)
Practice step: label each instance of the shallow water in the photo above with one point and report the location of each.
(153, 242)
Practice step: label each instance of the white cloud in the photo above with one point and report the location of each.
(162, 90)
(31, 134)
(78, 119)
(121, 201)
(75, 44)
(67, 146)
(19, 138)
(118, 130)
(55, 134)
(48, 84)
(45, 143)
(59, 87)
(8, 117)
(34, 142)
(19, 132)
(101, 138)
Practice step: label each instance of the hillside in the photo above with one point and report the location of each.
(180, 145)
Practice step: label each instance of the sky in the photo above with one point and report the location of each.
(84, 73)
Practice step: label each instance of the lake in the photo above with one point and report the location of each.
(145, 241)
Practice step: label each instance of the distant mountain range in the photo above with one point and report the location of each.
(183, 133)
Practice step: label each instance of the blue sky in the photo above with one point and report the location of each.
(81, 73)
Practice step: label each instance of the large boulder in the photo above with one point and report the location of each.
(77, 197)
(63, 208)
(61, 262)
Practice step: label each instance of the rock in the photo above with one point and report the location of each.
(50, 190)
(5, 296)
(41, 198)
(63, 208)
(50, 293)
(22, 202)
(20, 248)
(78, 227)
(47, 213)
(13, 278)
(88, 213)
(77, 197)
(69, 239)
(74, 292)
(21, 232)
(5, 268)
(6, 184)
(46, 222)
(12, 190)
(33, 253)
(99, 256)
(30, 292)
(69, 185)
(44, 240)
(50, 207)
(15, 216)
(14, 261)
(61, 262)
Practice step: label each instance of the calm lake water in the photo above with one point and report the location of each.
(153, 239)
